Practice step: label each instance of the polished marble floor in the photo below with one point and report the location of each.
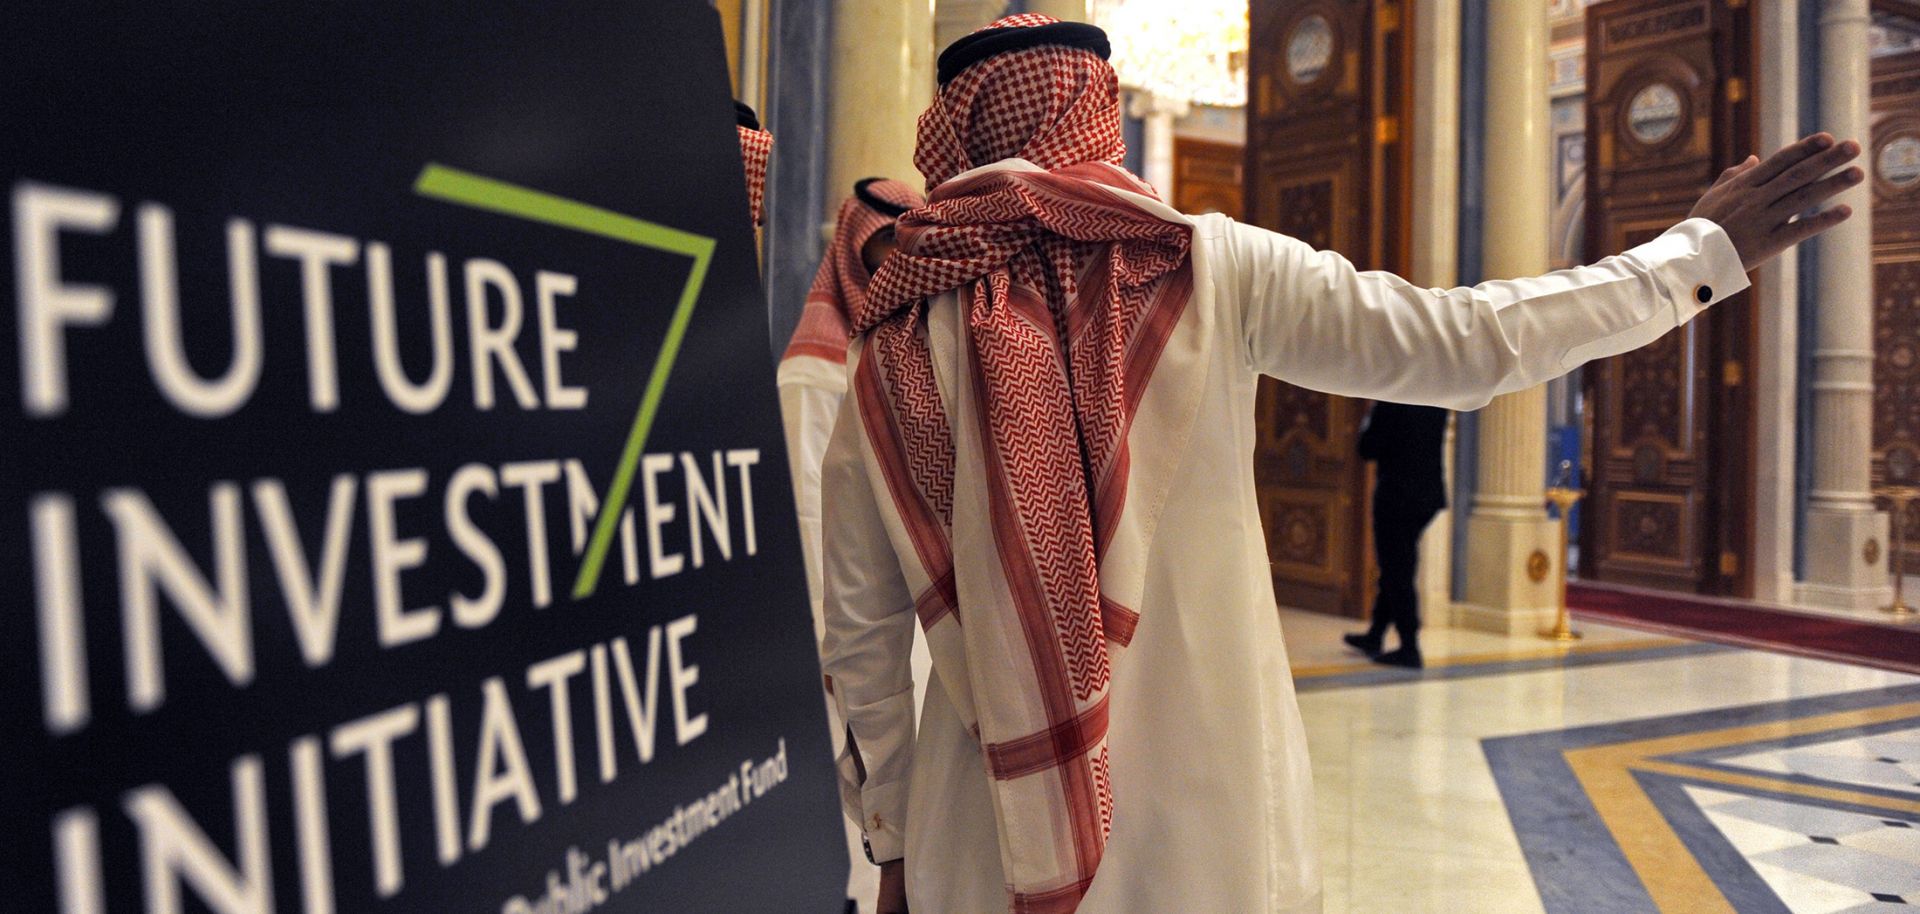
(1742, 781)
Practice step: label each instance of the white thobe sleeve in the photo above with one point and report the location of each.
(1310, 318)
(807, 412)
(869, 638)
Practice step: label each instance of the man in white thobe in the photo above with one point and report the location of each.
(813, 383)
(1049, 471)
(813, 369)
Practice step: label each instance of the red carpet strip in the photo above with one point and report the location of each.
(1888, 647)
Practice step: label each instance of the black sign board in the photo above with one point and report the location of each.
(393, 512)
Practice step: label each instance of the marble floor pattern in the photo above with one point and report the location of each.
(1411, 818)
(1818, 860)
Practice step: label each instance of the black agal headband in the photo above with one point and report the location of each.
(873, 201)
(744, 116)
(988, 42)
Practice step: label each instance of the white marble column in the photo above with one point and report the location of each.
(1509, 525)
(1436, 220)
(752, 87)
(882, 79)
(1157, 113)
(1064, 10)
(1846, 536)
(956, 19)
(1776, 305)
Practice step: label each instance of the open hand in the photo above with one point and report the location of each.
(1759, 203)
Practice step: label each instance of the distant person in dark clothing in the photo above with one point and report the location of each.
(1405, 443)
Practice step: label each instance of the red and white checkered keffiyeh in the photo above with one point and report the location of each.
(1049, 105)
(1069, 294)
(840, 286)
(756, 146)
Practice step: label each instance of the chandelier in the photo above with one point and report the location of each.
(1181, 50)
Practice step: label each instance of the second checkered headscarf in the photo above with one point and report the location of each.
(756, 147)
(840, 285)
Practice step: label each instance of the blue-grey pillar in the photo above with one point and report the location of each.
(1473, 119)
(796, 180)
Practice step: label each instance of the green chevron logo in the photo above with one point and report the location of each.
(478, 192)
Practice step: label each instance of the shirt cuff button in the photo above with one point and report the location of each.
(1703, 293)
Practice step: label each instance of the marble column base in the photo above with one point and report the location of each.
(1840, 544)
(1512, 623)
(1502, 595)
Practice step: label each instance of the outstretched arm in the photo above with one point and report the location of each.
(1310, 318)
(1765, 207)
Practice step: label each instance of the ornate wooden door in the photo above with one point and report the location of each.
(1326, 163)
(1208, 177)
(1893, 160)
(1670, 472)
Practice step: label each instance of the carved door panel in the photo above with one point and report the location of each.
(1670, 470)
(1326, 164)
(1208, 177)
(1893, 160)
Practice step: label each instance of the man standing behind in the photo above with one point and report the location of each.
(813, 371)
(756, 146)
(813, 382)
(1404, 442)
